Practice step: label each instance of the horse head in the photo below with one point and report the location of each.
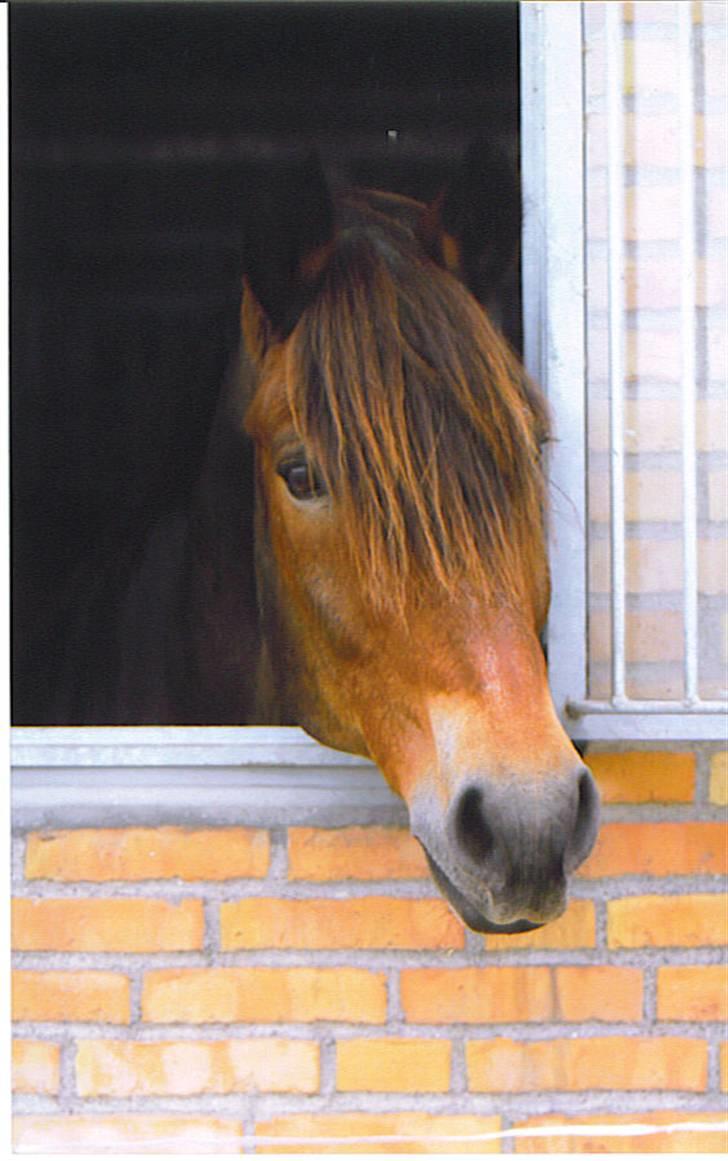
(400, 546)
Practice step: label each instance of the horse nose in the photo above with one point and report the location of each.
(521, 838)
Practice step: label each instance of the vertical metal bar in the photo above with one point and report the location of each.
(552, 174)
(615, 267)
(687, 347)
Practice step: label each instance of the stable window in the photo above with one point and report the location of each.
(629, 657)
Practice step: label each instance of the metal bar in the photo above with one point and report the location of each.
(577, 708)
(633, 725)
(687, 346)
(552, 171)
(615, 268)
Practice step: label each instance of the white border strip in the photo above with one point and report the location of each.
(552, 173)
(635, 1129)
(615, 267)
(687, 347)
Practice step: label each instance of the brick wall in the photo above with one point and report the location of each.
(307, 989)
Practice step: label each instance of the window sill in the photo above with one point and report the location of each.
(191, 776)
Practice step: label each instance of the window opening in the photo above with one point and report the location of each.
(136, 132)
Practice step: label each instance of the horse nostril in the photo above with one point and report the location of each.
(586, 824)
(471, 829)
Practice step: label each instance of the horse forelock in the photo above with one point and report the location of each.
(421, 421)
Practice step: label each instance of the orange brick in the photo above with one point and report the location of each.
(644, 776)
(330, 923)
(36, 1067)
(137, 853)
(658, 848)
(724, 1067)
(667, 921)
(128, 1133)
(510, 994)
(718, 495)
(617, 1062)
(187, 1067)
(393, 1065)
(654, 1132)
(85, 996)
(575, 928)
(692, 993)
(107, 925)
(264, 995)
(402, 1132)
(598, 993)
(476, 995)
(354, 852)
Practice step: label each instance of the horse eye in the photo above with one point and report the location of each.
(301, 479)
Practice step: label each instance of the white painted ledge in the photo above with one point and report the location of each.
(206, 775)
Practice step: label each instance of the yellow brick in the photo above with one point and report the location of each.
(36, 1067)
(264, 995)
(137, 853)
(692, 993)
(513, 994)
(649, 496)
(601, 992)
(587, 1063)
(717, 215)
(652, 213)
(657, 848)
(82, 996)
(713, 567)
(477, 995)
(719, 779)
(668, 921)
(651, 425)
(644, 776)
(575, 928)
(348, 923)
(107, 925)
(715, 70)
(393, 1065)
(655, 283)
(650, 66)
(190, 1067)
(649, 636)
(712, 425)
(401, 1132)
(652, 354)
(354, 852)
(127, 1133)
(653, 566)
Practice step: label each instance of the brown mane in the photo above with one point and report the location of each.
(420, 418)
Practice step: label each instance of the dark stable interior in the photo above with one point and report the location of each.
(136, 130)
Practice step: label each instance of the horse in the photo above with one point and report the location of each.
(365, 556)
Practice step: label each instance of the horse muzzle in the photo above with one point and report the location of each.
(503, 855)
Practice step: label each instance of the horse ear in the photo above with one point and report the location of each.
(473, 227)
(289, 231)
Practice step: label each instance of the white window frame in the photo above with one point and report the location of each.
(264, 775)
(553, 176)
